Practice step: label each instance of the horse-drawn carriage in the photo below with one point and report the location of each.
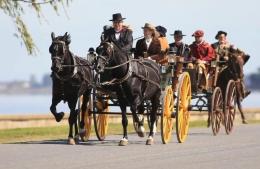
(180, 95)
(174, 103)
(137, 83)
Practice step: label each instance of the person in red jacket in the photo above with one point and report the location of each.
(202, 52)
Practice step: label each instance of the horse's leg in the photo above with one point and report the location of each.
(141, 110)
(239, 105)
(240, 61)
(86, 96)
(134, 107)
(124, 140)
(55, 100)
(72, 119)
(155, 104)
(123, 104)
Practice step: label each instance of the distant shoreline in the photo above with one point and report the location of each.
(48, 91)
(36, 91)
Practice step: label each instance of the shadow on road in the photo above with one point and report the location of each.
(108, 142)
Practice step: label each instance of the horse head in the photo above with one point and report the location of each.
(235, 63)
(105, 53)
(59, 49)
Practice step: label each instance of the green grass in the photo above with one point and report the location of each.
(60, 132)
(32, 134)
(253, 121)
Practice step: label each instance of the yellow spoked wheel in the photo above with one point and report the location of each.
(86, 129)
(166, 115)
(101, 120)
(182, 107)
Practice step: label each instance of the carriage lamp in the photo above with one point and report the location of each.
(163, 69)
(91, 56)
(171, 58)
(172, 55)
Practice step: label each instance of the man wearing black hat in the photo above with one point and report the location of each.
(181, 48)
(222, 47)
(119, 34)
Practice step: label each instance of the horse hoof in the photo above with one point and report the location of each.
(149, 141)
(244, 122)
(82, 135)
(71, 141)
(208, 124)
(76, 138)
(141, 131)
(123, 142)
(59, 116)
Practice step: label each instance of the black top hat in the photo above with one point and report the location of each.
(178, 33)
(117, 17)
(220, 33)
(162, 30)
(91, 50)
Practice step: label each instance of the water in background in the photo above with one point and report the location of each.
(39, 104)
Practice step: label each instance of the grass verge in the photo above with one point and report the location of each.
(60, 132)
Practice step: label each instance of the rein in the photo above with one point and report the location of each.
(66, 78)
(129, 73)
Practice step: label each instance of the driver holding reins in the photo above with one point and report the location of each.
(119, 34)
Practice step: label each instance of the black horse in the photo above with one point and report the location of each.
(71, 77)
(135, 81)
(234, 71)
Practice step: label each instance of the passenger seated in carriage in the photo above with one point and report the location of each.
(181, 48)
(224, 50)
(202, 53)
(148, 47)
(164, 43)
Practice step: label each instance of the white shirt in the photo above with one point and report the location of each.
(148, 42)
(117, 35)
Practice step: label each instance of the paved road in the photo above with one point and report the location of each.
(240, 150)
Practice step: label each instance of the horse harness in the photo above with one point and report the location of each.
(130, 72)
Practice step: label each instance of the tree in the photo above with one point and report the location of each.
(15, 9)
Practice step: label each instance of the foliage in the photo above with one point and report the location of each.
(15, 9)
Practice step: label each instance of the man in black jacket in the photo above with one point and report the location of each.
(181, 48)
(119, 34)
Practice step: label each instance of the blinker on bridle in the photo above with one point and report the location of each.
(57, 57)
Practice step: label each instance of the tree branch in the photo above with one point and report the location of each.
(36, 3)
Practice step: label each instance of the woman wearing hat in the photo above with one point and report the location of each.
(163, 42)
(181, 48)
(119, 34)
(149, 46)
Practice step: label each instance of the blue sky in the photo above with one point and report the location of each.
(86, 19)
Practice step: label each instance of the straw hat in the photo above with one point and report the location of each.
(149, 26)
